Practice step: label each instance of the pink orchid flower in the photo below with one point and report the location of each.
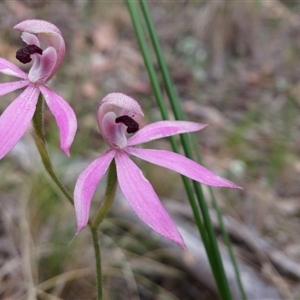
(46, 46)
(114, 118)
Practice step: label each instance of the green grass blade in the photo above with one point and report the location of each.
(178, 112)
(154, 82)
(226, 238)
(158, 95)
(229, 246)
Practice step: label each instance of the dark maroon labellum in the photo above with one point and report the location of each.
(23, 55)
(132, 125)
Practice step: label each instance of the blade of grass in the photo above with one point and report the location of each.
(179, 114)
(229, 245)
(158, 95)
(225, 235)
(216, 263)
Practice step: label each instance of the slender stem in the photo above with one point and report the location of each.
(38, 124)
(109, 194)
(39, 136)
(96, 245)
(38, 119)
(104, 208)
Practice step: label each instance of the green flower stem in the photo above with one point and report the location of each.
(103, 210)
(109, 194)
(38, 119)
(39, 136)
(96, 245)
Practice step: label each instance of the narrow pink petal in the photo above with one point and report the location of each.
(15, 119)
(163, 129)
(43, 65)
(8, 68)
(181, 165)
(143, 199)
(64, 115)
(8, 87)
(86, 185)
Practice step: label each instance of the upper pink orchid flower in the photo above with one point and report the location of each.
(115, 116)
(46, 47)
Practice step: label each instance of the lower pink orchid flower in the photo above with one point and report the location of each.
(46, 47)
(115, 116)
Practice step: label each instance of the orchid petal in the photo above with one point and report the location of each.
(64, 115)
(58, 43)
(43, 65)
(181, 165)
(30, 39)
(114, 133)
(163, 129)
(15, 119)
(8, 87)
(143, 199)
(86, 185)
(11, 69)
(48, 34)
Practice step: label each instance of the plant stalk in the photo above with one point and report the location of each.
(39, 136)
(97, 251)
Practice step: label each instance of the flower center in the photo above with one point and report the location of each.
(132, 125)
(23, 54)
